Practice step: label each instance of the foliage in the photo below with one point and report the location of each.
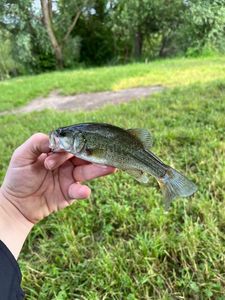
(139, 21)
(120, 244)
(29, 42)
(94, 28)
(59, 24)
(43, 58)
(71, 51)
(205, 25)
(14, 17)
(166, 28)
(96, 32)
(8, 65)
(32, 47)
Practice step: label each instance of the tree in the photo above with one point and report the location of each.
(47, 16)
(205, 24)
(103, 31)
(15, 18)
(136, 21)
(8, 66)
(67, 11)
(94, 28)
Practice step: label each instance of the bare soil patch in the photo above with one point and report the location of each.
(90, 101)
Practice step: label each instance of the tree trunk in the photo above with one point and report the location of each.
(71, 27)
(138, 43)
(48, 24)
(50, 8)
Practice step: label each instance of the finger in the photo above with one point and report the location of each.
(90, 171)
(41, 159)
(78, 191)
(32, 148)
(79, 162)
(55, 160)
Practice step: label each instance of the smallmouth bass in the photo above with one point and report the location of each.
(127, 150)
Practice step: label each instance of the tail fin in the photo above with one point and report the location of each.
(173, 185)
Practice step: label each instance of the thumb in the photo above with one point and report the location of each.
(31, 149)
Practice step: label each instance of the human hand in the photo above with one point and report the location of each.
(39, 182)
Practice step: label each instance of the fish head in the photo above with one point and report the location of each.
(66, 139)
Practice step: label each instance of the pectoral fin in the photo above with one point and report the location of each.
(138, 175)
(143, 136)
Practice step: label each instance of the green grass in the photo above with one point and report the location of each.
(120, 244)
(171, 72)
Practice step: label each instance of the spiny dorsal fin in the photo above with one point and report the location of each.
(143, 135)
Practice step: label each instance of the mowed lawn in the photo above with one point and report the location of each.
(121, 244)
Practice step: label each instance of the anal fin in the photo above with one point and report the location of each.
(138, 175)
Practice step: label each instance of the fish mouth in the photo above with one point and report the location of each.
(54, 141)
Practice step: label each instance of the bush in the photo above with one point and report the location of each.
(8, 66)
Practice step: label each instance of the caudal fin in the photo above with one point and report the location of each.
(173, 185)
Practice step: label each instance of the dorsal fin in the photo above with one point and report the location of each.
(143, 135)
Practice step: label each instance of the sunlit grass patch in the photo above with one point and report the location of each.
(181, 74)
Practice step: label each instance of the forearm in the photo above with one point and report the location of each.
(14, 227)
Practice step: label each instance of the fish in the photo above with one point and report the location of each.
(124, 149)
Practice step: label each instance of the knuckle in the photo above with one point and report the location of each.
(78, 174)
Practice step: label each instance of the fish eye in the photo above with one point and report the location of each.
(62, 133)
(65, 133)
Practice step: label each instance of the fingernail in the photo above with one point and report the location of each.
(83, 192)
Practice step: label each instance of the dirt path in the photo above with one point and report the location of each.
(89, 101)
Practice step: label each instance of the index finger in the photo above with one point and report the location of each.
(91, 171)
(57, 159)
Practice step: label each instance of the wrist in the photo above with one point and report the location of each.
(14, 227)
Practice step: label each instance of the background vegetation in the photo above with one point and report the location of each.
(44, 35)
